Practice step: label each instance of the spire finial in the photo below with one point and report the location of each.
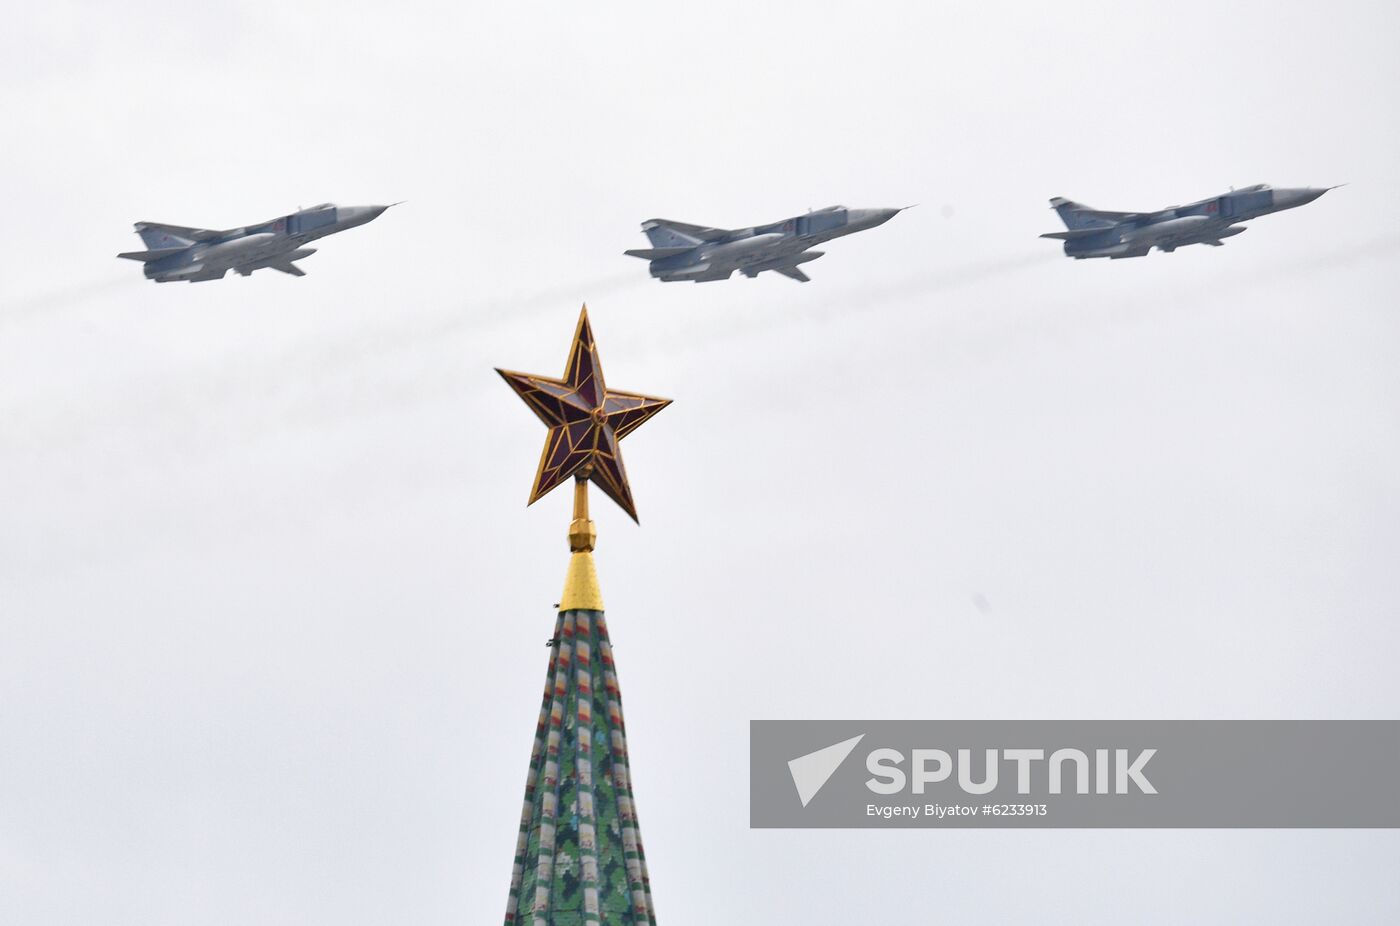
(586, 421)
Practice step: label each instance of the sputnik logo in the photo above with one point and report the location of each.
(811, 772)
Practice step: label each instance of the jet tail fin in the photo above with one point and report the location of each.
(1073, 214)
(663, 233)
(1079, 216)
(160, 235)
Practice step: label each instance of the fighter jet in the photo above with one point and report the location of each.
(700, 253)
(195, 254)
(1095, 233)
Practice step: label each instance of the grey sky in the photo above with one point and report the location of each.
(272, 611)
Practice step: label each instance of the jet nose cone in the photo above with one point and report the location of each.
(1297, 196)
(869, 218)
(359, 215)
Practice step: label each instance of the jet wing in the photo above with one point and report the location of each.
(657, 253)
(702, 232)
(289, 267)
(156, 254)
(1073, 233)
(792, 273)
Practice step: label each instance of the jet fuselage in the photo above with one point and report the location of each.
(701, 254)
(176, 253)
(1096, 233)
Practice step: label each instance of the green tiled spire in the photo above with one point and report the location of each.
(579, 859)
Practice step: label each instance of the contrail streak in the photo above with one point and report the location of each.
(22, 309)
(270, 380)
(267, 379)
(262, 398)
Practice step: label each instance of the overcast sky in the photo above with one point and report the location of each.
(273, 610)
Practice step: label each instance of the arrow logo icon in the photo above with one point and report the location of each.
(811, 772)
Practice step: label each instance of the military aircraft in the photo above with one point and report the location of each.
(178, 253)
(700, 253)
(1095, 233)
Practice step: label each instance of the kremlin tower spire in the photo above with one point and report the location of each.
(579, 859)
